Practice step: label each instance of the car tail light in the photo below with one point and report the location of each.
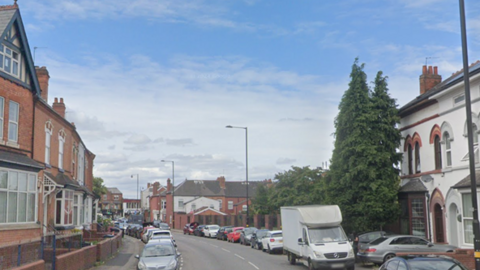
(370, 250)
(272, 240)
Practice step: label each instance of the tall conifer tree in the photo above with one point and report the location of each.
(356, 180)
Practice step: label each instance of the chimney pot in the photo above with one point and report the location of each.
(435, 70)
(430, 70)
(424, 71)
(430, 79)
(59, 107)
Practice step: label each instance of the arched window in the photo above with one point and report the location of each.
(448, 148)
(410, 159)
(438, 153)
(418, 167)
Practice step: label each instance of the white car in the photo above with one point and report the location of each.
(147, 233)
(211, 230)
(158, 233)
(272, 242)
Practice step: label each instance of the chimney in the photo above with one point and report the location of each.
(429, 79)
(43, 77)
(169, 185)
(156, 186)
(221, 181)
(59, 107)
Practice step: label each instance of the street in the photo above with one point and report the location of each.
(204, 253)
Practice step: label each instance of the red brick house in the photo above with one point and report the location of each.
(43, 161)
(111, 203)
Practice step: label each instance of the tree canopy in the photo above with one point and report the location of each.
(362, 178)
(98, 188)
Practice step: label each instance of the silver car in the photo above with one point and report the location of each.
(159, 254)
(384, 248)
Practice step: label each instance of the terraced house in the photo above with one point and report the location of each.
(45, 168)
(435, 196)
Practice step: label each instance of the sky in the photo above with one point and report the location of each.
(152, 80)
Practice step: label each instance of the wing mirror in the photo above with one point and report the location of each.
(300, 241)
(137, 256)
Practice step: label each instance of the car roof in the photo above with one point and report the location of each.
(274, 232)
(155, 242)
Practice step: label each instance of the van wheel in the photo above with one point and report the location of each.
(310, 265)
(292, 258)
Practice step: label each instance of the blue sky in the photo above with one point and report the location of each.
(149, 80)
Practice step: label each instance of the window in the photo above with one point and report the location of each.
(219, 204)
(212, 206)
(13, 121)
(438, 153)
(104, 196)
(418, 216)
(116, 197)
(410, 159)
(244, 208)
(48, 139)
(9, 61)
(180, 203)
(64, 208)
(448, 149)
(164, 204)
(230, 205)
(467, 218)
(194, 207)
(459, 99)
(417, 158)
(2, 104)
(17, 197)
(78, 216)
(61, 142)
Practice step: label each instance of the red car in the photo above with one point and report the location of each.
(190, 227)
(234, 236)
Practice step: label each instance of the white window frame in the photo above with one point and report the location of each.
(48, 141)
(467, 219)
(78, 215)
(219, 204)
(180, 203)
(66, 204)
(230, 205)
(13, 123)
(11, 186)
(164, 204)
(448, 149)
(9, 53)
(61, 144)
(116, 197)
(244, 208)
(104, 197)
(2, 109)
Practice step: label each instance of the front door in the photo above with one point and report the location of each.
(439, 234)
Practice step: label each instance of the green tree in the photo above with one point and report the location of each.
(362, 179)
(260, 203)
(98, 188)
(297, 186)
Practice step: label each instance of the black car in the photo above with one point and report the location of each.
(256, 239)
(246, 234)
(199, 230)
(421, 262)
(221, 235)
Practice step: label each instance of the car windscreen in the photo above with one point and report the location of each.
(434, 265)
(326, 235)
(213, 227)
(261, 234)
(158, 250)
(276, 235)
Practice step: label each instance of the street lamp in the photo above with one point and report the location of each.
(246, 163)
(137, 188)
(173, 190)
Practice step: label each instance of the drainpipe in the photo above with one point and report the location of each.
(428, 217)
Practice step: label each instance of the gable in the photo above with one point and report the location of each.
(16, 62)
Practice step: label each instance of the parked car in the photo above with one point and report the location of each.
(246, 235)
(159, 255)
(211, 230)
(190, 227)
(272, 242)
(423, 262)
(199, 230)
(145, 230)
(222, 232)
(234, 235)
(384, 248)
(156, 237)
(256, 240)
(148, 233)
(367, 237)
(164, 226)
(160, 232)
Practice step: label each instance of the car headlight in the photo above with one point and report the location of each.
(351, 254)
(172, 265)
(318, 254)
(141, 266)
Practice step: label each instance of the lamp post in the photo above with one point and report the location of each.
(173, 191)
(246, 165)
(137, 188)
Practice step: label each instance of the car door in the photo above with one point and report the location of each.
(422, 245)
(400, 244)
(265, 240)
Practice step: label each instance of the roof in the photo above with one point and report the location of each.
(414, 185)
(114, 190)
(465, 182)
(19, 160)
(239, 189)
(199, 188)
(445, 84)
(205, 209)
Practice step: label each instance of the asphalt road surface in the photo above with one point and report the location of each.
(199, 253)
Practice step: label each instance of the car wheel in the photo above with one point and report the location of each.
(388, 257)
(291, 258)
(269, 250)
(259, 246)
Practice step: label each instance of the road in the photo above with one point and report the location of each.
(200, 253)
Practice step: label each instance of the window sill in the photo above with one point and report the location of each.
(18, 226)
(13, 144)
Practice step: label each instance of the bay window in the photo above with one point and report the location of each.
(64, 208)
(17, 196)
(467, 218)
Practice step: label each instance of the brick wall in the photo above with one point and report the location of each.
(77, 260)
(465, 256)
(38, 265)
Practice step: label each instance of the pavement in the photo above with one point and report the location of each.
(125, 258)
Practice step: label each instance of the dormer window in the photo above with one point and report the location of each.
(9, 61)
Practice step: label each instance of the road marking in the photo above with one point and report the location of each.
(239, 256)
(253, 265)
(225, 250)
